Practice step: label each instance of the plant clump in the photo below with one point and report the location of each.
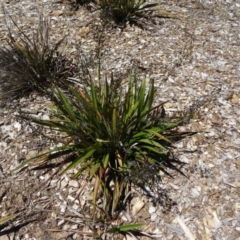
(112, 132)
(123, 11)
(31, 63)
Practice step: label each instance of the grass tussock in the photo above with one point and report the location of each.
(30, 62)
(123, 11)
(117, 135)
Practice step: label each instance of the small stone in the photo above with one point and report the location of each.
(45, 117)
(235, 24)
(130, 237)
(54, 182)
(64, 183)
(57, 13)
(33, 116)
(4, 237)
(62, 221)
(238, 162)
(18, 126)
(70, 198)
(195, 192)
(63, 208)
(126, 216)
(234, 99)
(73, 183)
(221, 68)
(82, 32)
(216, 28)
(152, 209)
(72, 190)
(137, 207)
(237, 207)
(29, 111)
(216, 119)
(209, 222)
(153, 217)
(145, 214)
(75, 226)
(31, 154)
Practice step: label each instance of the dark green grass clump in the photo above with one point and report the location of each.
(113, 133)
(123, 11)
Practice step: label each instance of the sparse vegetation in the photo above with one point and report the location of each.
(124, 229)
(114, 133)
(31, 62)
(122, 11)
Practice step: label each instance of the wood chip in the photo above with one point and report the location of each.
(234, 99)
(184, 227)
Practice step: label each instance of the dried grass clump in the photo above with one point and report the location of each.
(30, 62)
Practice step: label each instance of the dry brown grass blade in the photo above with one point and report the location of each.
(7, 218)
(71, 230)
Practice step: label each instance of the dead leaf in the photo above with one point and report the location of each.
(234, 99)
(137, 207)
(216, 119)
(57, 13)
